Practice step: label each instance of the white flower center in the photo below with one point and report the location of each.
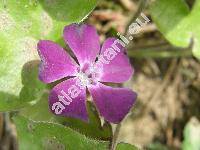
(88, 74)
(84, 79)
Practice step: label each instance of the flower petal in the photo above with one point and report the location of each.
(55, 62)
(115, 65)
(112, 103)
(68, 99)
(84, 42)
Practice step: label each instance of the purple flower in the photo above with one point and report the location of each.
(69, 97)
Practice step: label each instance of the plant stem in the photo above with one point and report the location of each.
(115, 137)
(152, 53)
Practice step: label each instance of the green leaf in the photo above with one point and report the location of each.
(178, 24)
(48, 136)
(157, 146)
(126, 146)
(192, 135)
(93, 128)
(70, 11)
(39, 111)
(32, 89)
(22, 24)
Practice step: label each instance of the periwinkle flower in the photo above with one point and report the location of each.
(68, 98)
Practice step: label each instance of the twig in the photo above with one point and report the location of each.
(128, 4)
(162, 87)
(148, 28)
(147, 107)
(1, 126)
(134, 17)
(160, 45)
(9, 139)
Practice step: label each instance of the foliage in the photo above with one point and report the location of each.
(22, 24)
(178, 23)
(192, 135)
(40, 135)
